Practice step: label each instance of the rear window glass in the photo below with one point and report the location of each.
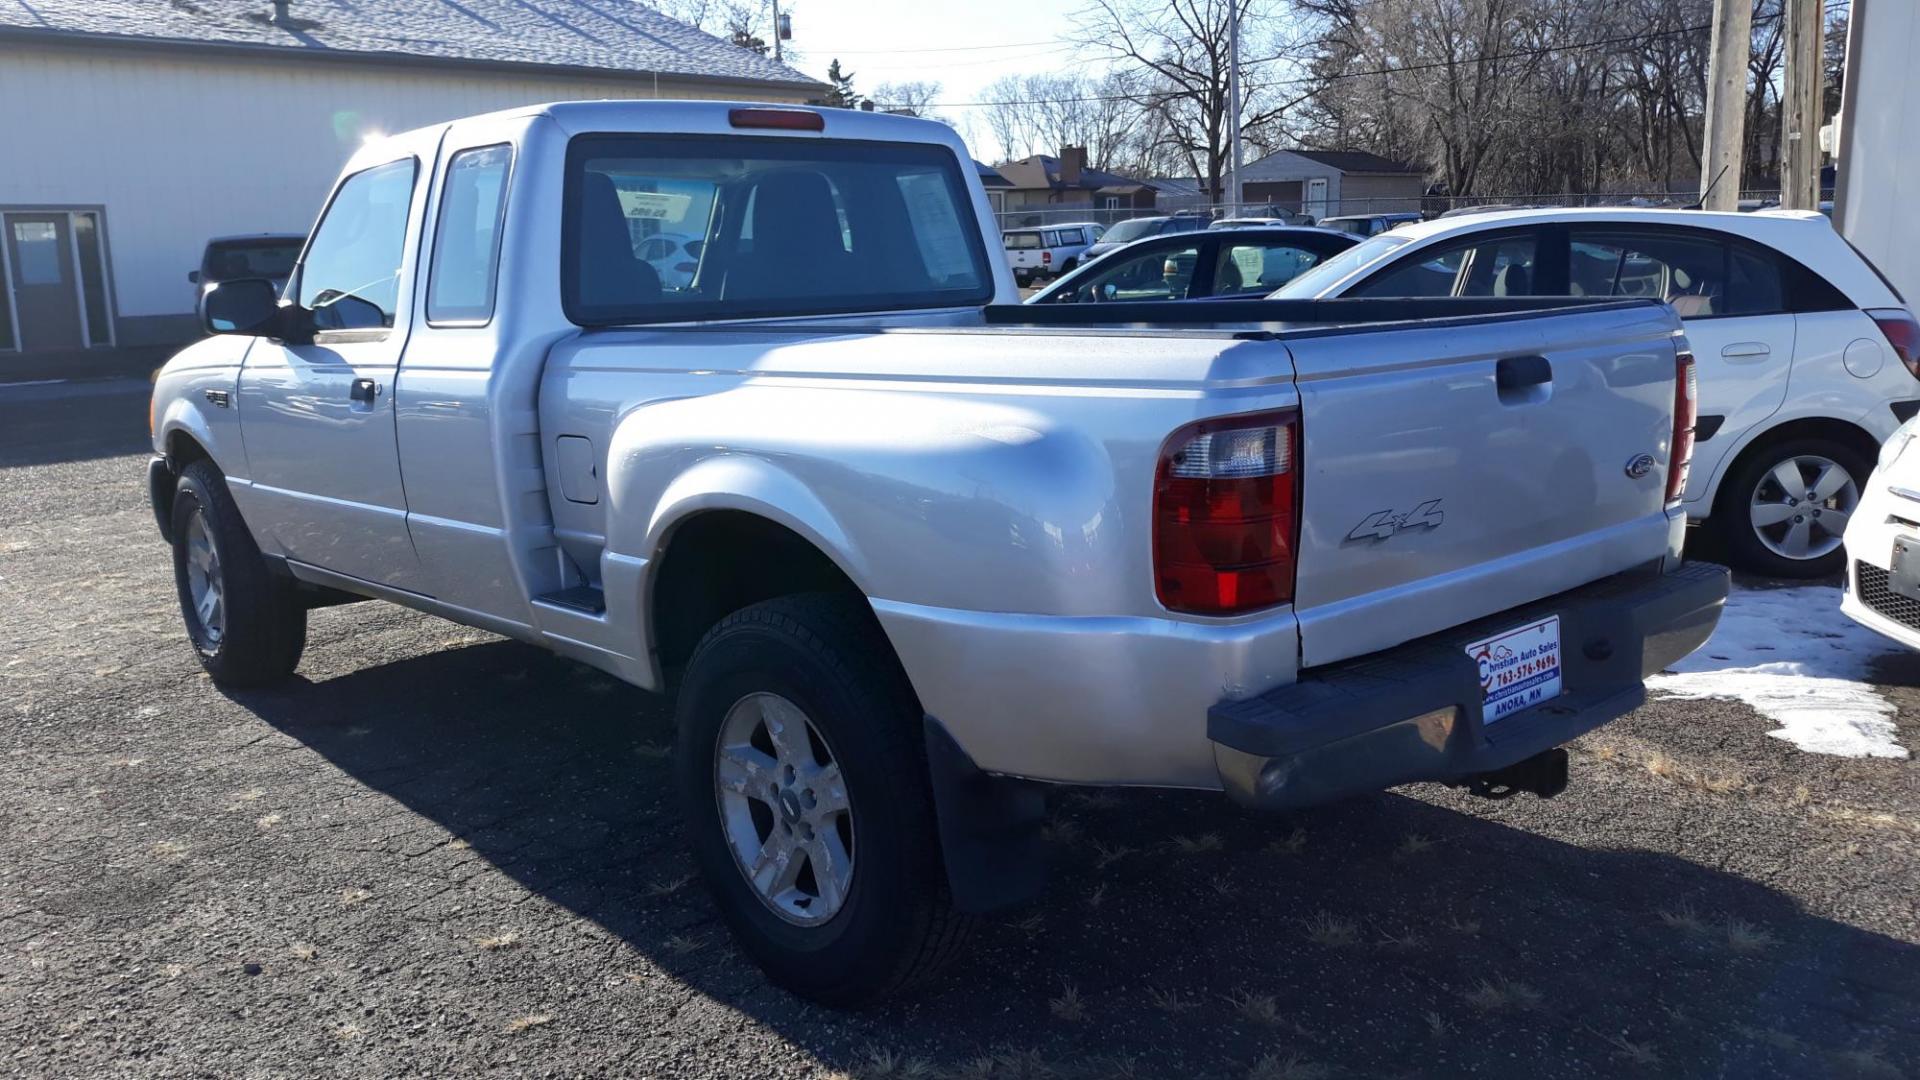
(231, 260)
(764, 227)
(1022, 241)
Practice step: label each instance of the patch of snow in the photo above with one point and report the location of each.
(1796, 660)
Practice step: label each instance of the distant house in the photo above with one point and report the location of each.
(1044, 188)
(1329, 182)
(1175, 193)
(134, 130)
(995, 184)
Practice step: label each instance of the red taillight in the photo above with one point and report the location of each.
(1046, 256)
(1686, 413)
(1903, 333)
(1225, 515)
(784, 119)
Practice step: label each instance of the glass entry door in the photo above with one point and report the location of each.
(54, 270)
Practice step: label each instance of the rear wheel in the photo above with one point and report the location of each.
(247, 626)
(1784, 510)
(804, 787)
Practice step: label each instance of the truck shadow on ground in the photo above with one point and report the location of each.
(1179, 937)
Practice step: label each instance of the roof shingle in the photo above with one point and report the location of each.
(615, 36)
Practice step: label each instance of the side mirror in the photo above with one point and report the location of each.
(193, 276)
(251, 307)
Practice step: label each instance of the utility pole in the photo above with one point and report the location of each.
(1800, 107)
(776, 29)
(1233, 103)
(1720, 170)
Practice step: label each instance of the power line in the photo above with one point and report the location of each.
(949, 48)
(1543, 50)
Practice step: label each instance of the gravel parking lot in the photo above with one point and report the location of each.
(440, 853)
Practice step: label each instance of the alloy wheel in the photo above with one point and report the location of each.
(205, 587)
(1799, 509)
(784, 809)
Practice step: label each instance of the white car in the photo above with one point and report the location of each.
(1883, 544)
(673, 256)
(1808, 357)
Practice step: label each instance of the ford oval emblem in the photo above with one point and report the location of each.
(1640, 465)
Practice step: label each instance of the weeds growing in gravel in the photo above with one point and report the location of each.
(668, 888)
(1194, 845)
(1068, 1005)
(1437, 1026)
(683, 944)
(1326, 928)
(1413, 844)
(1293, 843)
(1169, 1001)
(1747, 939)
(1259, 1008)
(1501, 994)
(1104, 856)
(524, 1023)
(499, 942)
(1682, 917)
(1291, 1067)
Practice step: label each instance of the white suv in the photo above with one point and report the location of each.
(1805, 352)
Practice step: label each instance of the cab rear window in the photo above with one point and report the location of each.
(677, 228)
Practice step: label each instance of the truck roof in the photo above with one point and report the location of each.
(647, 116)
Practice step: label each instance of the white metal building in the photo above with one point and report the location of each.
(132, 131)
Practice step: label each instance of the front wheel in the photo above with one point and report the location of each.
(804, 787)
(247, 627)
(1784, 510)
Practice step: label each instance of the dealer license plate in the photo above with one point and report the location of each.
(1519, 668)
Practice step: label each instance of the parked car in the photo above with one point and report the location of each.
(1049, 251)
(1364, 225)
(900, 585)
(1279, 217)
(1798, 338)
(1883, 538)
(1126, 232)
(673, 256)
(1241, 263)
(257, 255)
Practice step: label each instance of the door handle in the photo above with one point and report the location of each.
(364, 390)
(1747, 349)
(1520, 372)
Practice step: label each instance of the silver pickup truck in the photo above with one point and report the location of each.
(907, 553)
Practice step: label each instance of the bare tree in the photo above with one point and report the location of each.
(1178, 49)
(916, 97)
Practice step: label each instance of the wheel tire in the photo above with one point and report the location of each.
(261, 626)
(825, 655)
(1070, 267)
(1746, 548)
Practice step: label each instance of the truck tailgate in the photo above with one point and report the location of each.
(1451, 471)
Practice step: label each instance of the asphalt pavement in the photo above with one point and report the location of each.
(439, 853)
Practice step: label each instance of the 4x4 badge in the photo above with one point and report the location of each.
(1381, 525)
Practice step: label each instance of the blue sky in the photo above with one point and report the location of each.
(961, 44)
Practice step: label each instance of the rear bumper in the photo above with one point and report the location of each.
(1413, 713)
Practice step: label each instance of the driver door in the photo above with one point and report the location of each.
(318, 418)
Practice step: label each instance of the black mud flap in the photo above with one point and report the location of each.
(989, 829)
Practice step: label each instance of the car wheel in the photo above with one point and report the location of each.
(805, 792)
(1784, 510)
(1069, 267)
(247, 626)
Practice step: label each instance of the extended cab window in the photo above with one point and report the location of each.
(351, 277)
(466, 240)
(780, 227)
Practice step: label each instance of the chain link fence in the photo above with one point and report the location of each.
(1427, 206)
